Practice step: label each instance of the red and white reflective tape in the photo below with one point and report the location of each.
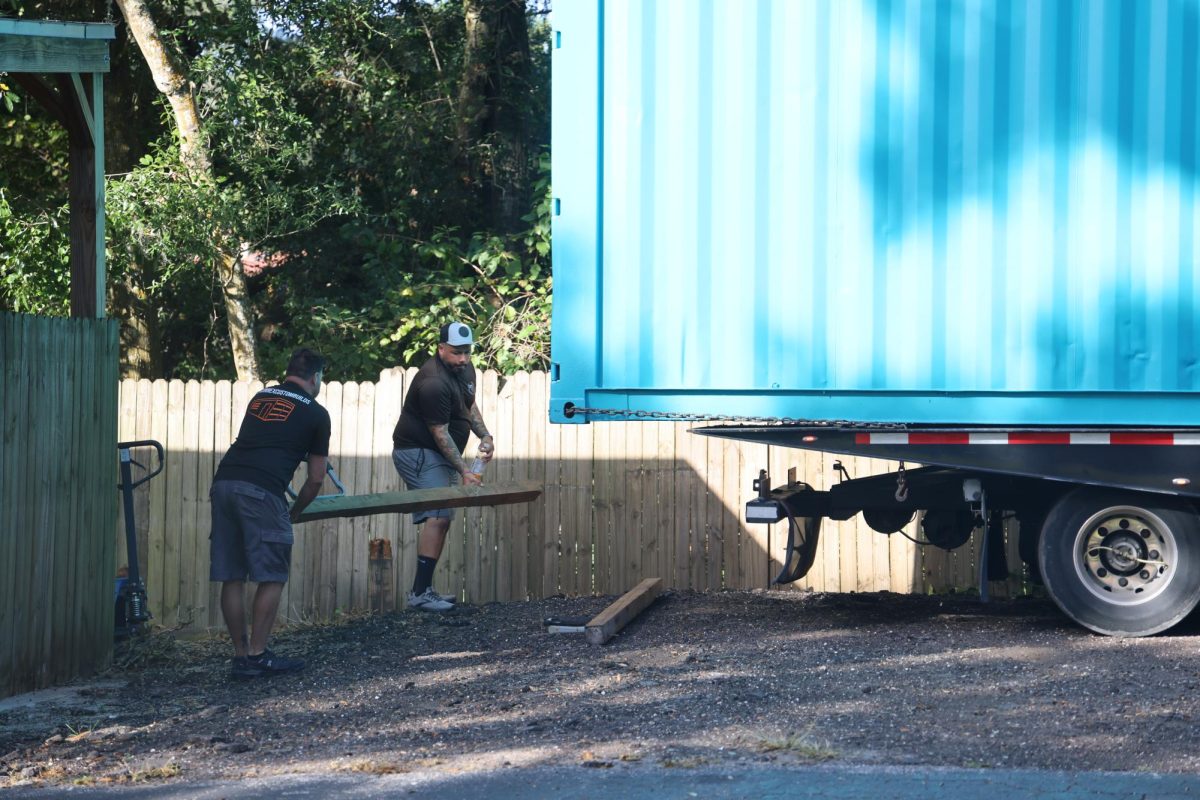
(1031, 437)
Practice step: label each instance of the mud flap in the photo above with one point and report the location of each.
(803, 535)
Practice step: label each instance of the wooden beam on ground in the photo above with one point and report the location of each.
(355, 505)
(605, 625)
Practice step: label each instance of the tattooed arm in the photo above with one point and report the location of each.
(487, 445)
(447, 447)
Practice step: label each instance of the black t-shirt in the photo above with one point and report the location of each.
(437, 396)
(282, 427)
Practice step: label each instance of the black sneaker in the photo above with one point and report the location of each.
(243, 669)
(264, 664)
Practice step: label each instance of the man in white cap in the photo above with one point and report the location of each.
(438, 416)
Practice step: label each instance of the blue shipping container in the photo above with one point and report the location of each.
(942, 211)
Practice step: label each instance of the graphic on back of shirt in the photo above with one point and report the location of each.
(283, 425)
(272, 409)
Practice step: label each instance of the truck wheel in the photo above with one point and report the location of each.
(1120, 563)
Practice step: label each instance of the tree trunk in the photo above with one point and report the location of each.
(491, 116)
(172, 80)
(140, 346)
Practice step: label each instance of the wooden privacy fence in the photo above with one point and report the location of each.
(623, 501)
(58, 498)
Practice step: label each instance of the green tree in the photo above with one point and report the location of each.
(333, 128)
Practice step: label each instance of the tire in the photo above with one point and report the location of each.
(1121, 563)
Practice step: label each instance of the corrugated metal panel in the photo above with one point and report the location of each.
(961, 210)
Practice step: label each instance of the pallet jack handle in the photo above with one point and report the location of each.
(126, 459)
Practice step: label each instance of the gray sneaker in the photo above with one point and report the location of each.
(428, 600)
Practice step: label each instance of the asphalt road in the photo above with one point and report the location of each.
(637, 782)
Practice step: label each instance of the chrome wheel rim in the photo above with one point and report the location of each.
(1125, 555)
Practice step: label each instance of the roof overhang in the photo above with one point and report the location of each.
(51, 47)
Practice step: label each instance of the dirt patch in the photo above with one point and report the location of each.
(720, 678)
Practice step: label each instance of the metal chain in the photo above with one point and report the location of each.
(775, 421)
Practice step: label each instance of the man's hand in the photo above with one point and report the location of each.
(471, 479)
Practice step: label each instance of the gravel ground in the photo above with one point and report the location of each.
(698, 680)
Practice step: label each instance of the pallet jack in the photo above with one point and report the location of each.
(132, 611)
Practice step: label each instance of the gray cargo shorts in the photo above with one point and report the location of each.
(251, 534)
(426, 469)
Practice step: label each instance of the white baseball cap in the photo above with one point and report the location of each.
(455, 334)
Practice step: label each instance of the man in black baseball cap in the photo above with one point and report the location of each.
(438, 417)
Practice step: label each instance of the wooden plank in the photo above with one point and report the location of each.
(618, 573)
(407, 502)
(98, 616)
(189, 497)
(611, 620)
(681, 553)
(864, 549)
(172, 508)
(577, 524)
(534, 413)
(552, 503)
(734, 533)
(518, 535)
(663, 520)
(698, 502)
(20, 461)
(28, 460)
(65, 391)
(717, 522)
(631, 540)
(10, 466)
(603, 526)
(156, 516)
(85, 567)
(81, 492)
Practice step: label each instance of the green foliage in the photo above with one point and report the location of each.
(8, 98)
(333, 131)
(35, 252)
(500, 285)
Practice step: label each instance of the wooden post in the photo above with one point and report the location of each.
(608, 622)
(379, 586)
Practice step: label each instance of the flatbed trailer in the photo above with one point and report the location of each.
(1107, 518)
